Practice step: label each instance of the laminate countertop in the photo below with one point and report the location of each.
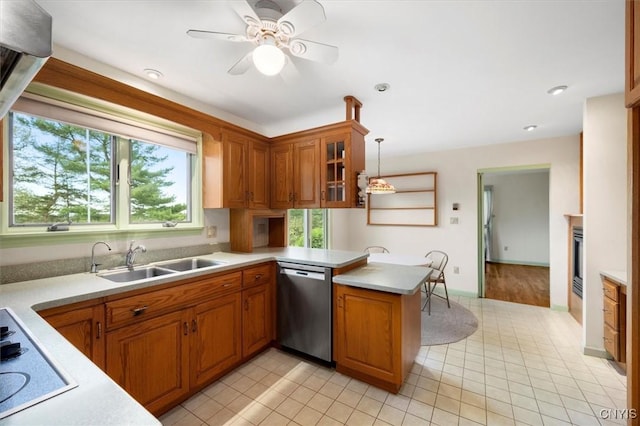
(97, 399)
(390, 278)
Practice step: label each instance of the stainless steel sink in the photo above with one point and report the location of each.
(136, 274)
(190, 264)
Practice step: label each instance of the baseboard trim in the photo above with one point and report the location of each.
(519, 262)
(454, 292)
(560, 308)
(596, 352)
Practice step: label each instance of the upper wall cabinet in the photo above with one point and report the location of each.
(632, 86)
(318, 167)
(235, 172)
(295, 174)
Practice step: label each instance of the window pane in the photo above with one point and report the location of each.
(160, 183)
(61, 172)
(296, 228)
(318, 221)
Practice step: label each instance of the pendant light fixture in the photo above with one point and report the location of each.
(377, 185)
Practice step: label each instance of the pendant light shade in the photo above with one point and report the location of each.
(378, 185)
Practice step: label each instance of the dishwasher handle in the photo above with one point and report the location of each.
(302, 274)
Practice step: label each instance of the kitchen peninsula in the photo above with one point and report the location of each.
(97, 399)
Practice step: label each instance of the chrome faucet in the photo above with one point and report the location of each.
(94, 265)
(130, 257)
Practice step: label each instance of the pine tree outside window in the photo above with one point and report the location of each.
(71, 164)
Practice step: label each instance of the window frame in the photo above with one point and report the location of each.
(122, 224)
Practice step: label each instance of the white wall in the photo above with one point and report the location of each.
(520, 216)
(605, 204)
(458, 183)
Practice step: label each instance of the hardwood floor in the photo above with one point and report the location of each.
(517, 283)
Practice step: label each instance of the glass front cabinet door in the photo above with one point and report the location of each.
(337, 185)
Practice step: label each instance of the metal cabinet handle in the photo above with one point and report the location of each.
(257, 277)
(98, 330)
(185, 326)
(194, 326)
(139, 311)
(227, 284)
(291, 196)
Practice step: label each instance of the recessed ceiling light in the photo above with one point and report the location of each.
(531, 127)
(153, 74)
(556, 90)
(382, 87)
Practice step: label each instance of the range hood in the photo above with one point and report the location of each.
(25, 45)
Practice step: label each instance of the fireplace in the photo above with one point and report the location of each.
(577, 265)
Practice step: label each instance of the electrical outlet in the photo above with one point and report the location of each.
(506, 248)
(456, 269)
(212, 231)
(453, 220)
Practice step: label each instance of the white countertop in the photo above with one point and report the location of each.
(399, 279)
(617, 276)
(97, 399)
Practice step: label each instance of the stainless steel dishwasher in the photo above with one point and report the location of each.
(305, 309)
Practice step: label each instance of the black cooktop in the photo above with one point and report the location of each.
(28, 375)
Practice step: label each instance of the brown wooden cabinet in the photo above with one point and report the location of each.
(150, 360)
(295, 171)
(245, 171)
(614, 314)
(188, 334)
(632, 89)
(342, 159)
(376, 335)
(215, 338)
(83, 325)
(318, 167)
(258, 308)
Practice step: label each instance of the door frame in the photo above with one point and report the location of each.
(479, 215)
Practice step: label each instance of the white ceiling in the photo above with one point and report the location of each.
(462, 72)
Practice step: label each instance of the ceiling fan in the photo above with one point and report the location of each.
(275, 33)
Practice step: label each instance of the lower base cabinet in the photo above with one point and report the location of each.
(216, 345)
(83, 325)
(256, 319)
(376, 335)
(150, 360)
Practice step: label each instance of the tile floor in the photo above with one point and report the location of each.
(522, 366)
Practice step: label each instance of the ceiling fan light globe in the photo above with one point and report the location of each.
(268, 59)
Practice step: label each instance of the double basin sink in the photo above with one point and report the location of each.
(159, 269)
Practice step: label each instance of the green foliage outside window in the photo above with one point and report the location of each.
(63, 172)
(298, 230)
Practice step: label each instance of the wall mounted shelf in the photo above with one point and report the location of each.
(413, 204)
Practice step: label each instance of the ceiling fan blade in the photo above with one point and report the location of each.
(216, 35)
(307, 14)
(313, 51)
(246, 12)
(242, 65)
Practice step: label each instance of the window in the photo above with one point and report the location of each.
(308, 228)
(70, 164)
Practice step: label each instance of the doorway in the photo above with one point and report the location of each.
(513, 216)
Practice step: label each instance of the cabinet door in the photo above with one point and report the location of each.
(336, 171)
(258, 172)
(282, 177)
(234, 179)
(256, 319)
(306, 183)
(632, 94)
(83, 327)
(150, 360)
(216, 343)
(368, 332)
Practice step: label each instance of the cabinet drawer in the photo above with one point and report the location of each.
(612, 342)
(611, 313)
(261, 274)
(610, 289)
(134, 308)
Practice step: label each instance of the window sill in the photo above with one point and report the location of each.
(30, 239)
